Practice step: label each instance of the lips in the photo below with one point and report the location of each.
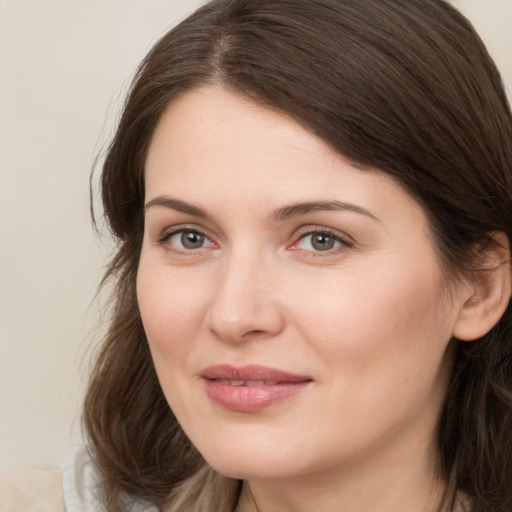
(251, 388)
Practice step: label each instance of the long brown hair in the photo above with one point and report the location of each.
(404, 86)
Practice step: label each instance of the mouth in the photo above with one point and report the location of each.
(248, 383)
(251, 388)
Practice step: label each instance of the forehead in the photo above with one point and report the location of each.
(216, 148)
(210, 121)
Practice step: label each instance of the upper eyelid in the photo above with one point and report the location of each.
(172, 230)
(164, 240)
(160, 227)
(294, 238)
(308, 230)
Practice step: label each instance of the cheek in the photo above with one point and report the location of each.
(172, 312)
(171, 307)
(388, 324)
(382, 347)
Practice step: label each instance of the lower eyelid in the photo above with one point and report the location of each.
(342, 241)
(166, 237)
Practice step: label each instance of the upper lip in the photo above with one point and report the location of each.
(250, 373)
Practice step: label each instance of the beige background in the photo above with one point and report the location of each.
(64, 69)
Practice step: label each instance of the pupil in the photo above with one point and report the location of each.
(191, 240)
(323, 242)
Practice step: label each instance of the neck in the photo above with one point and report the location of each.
(391, 486)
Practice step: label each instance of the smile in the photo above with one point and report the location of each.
(248, 383)
(250, 388)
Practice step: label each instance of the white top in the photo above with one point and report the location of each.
(70, 488)
(73, 488)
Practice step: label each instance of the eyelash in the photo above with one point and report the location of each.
(166, 237)
(343, 242)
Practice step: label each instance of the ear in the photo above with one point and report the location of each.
(488, 294)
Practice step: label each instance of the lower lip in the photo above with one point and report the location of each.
(251, 398)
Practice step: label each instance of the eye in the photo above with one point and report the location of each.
(187, 240)
(320, 241)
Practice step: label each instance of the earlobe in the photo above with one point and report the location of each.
(488, 294)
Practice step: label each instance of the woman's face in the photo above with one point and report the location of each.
(293, 303)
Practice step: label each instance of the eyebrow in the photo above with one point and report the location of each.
(296, 210)
(284, 213)
(180, 206)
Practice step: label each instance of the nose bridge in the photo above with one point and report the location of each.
(243, 304)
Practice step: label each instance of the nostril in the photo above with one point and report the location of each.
(241, 311)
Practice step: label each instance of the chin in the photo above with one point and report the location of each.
(248, 468)
(262, 458)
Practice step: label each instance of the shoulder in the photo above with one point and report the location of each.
(31, 490)
(73, 487)
(70, 488)
(81, 485)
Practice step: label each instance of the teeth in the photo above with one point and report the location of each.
(248, 383)
(231, 382)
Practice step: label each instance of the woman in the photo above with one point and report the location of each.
(311, 310)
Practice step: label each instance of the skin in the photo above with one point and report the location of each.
(369, 320)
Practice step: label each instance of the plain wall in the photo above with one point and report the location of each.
(64, 69)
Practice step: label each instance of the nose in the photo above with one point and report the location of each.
(244, 305)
